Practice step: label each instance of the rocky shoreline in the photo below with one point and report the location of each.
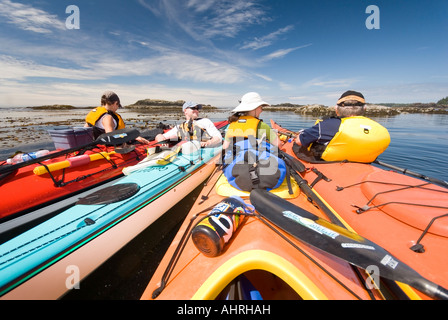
(371, 109)
(21, 128)
(156, 105)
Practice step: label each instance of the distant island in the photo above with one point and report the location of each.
(372, 109)
(155, 104)
(441, 107)
(56, 107)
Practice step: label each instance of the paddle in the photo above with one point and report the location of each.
(296, 167)
(339, 242)
(303, 184)
(114, 138)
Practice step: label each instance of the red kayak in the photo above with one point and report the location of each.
(34, 184)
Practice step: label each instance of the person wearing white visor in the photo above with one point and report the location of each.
(245, 120)
(194, 128)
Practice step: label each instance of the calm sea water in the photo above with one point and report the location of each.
(419, 142)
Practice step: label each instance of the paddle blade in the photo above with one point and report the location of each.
(339, 242)
(118, 137)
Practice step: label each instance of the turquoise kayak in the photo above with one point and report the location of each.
(51, 258)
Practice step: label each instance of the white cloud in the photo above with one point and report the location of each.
(206, 19)
(267, 40)
(201, 5)
(16, 69)
(264, 77)
(230, 17)
(281, 53)
(88, 94)
(179, 66)
(28, 18)
(334, 83)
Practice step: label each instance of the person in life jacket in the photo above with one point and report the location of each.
(250, 158)
(105, 119)
(245, 121)
(349, 136)
(193, 128)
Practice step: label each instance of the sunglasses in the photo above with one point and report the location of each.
(194, 108)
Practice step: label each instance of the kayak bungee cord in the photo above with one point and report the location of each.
(313, 198)
(205, 197)
(114, 138)
(55, 230)
(411, 173)
(418, 247)
(61, 183)
(179, 249)
(188, 232)
(273, 228)
(366, 207)
(383, 164)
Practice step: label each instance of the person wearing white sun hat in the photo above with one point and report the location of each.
(245, 120)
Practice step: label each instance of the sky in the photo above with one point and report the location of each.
(215, 51)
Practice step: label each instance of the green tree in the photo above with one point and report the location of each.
(443, 101)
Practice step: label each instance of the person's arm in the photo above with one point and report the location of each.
(108, 123)
(142, 140)
(215, 134)
(297, 139)
(170, 135)
(213, 142)
(109, 126)
(270, 134)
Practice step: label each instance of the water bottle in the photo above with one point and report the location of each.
(22, 157)
(211, 235)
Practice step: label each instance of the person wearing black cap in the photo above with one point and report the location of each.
(348, 136)
(105, 119)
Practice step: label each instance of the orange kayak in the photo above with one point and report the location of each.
(260, 260)
(404, 214)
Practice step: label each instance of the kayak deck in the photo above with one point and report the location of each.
(277, 265)
(98, 226)
(405, 215)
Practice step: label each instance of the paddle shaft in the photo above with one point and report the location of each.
(339, 242)
(304, 186)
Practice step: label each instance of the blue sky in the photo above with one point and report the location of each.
(214, 51)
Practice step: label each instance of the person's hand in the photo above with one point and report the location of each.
(142, 140)
(214, 142)
(297, 140)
